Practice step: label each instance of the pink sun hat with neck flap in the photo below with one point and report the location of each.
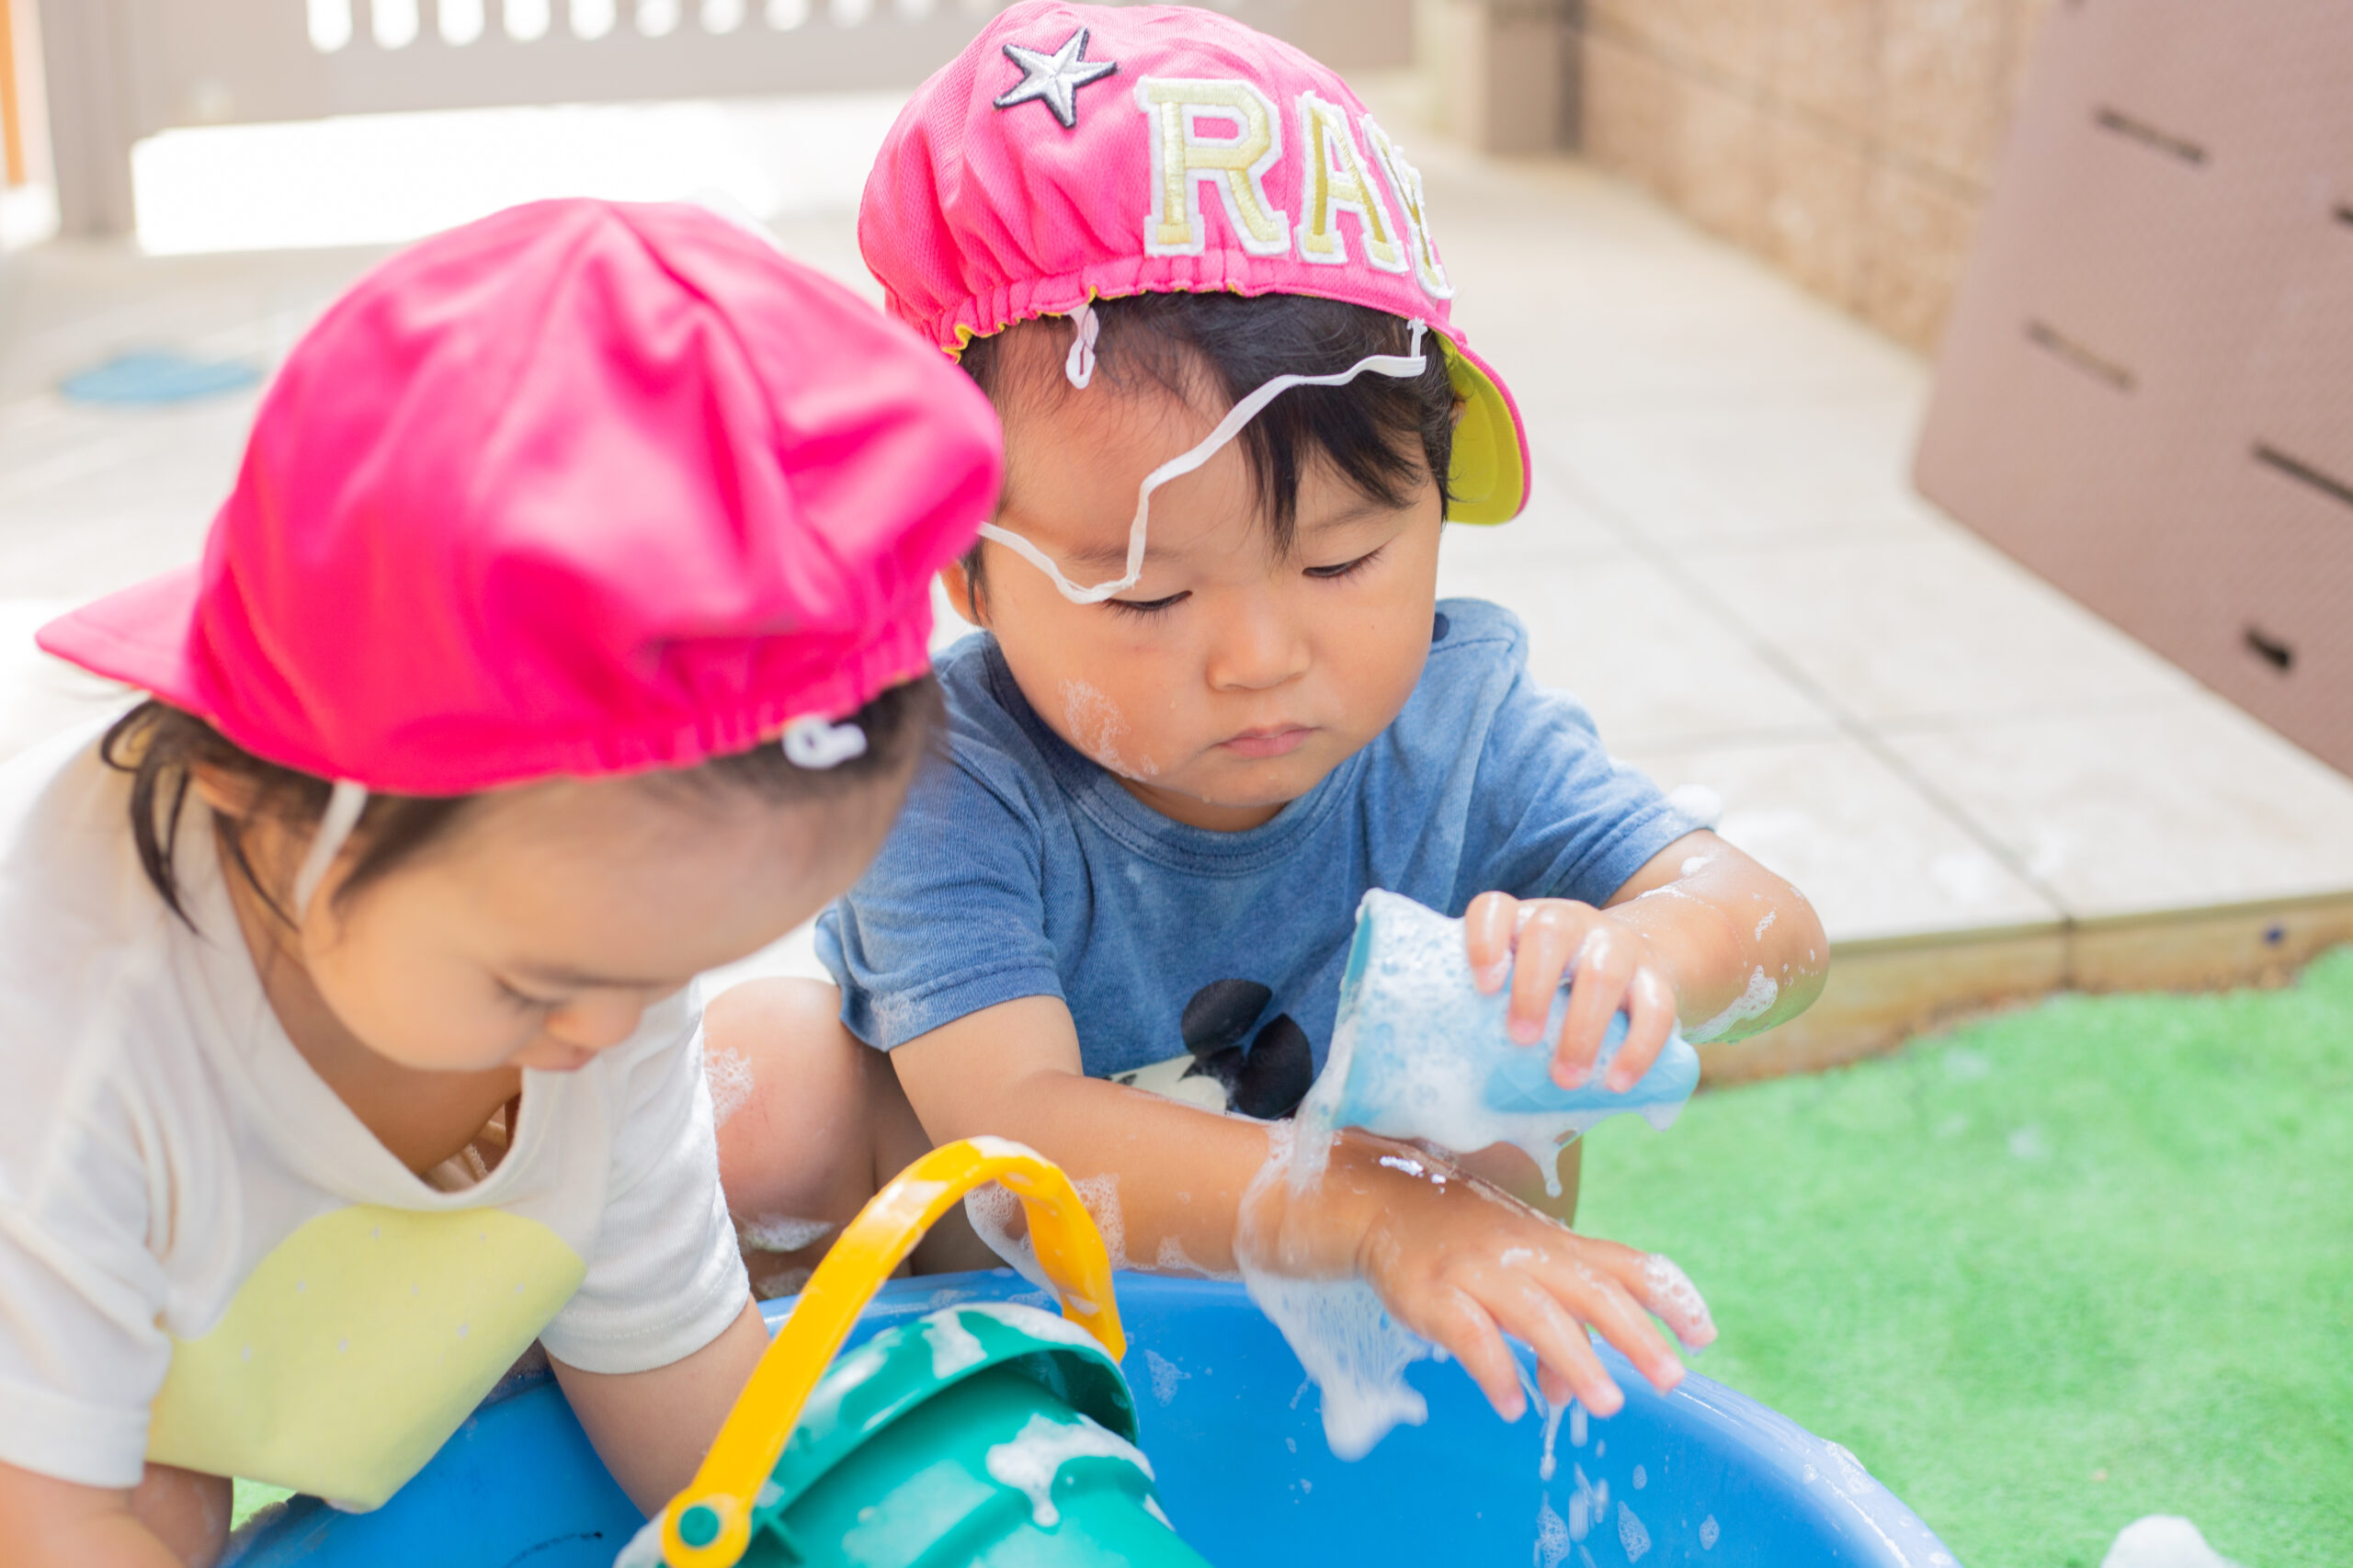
(580, 489)
(1078, 152)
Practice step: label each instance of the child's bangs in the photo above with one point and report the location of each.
(1387, 437)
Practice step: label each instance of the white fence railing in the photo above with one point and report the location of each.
(120, 69)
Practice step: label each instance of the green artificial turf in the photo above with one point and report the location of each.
(2047, 1272)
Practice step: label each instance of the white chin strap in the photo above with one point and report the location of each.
(1413, 362)
(341, 817)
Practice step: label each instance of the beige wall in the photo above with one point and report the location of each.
(1851, 141)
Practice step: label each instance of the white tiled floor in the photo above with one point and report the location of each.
(1724, 559)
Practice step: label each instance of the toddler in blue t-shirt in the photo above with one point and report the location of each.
(1217, 700)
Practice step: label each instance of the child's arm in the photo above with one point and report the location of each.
(653, 1428)
(1701, 931)
(1455, 1260)
(175, 1519)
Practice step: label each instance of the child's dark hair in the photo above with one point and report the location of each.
(1386, 436)
(161, 747)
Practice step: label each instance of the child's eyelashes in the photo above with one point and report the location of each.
(1347, 568)
(523, 1003)
(1148, 607)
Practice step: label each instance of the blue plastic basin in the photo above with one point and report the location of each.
(1701, 1475)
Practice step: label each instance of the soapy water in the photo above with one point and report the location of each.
(1166, 1376)
(783, 1232)
(1632, 1533)
(645, 1548)
(1172, 1258)
(1404, 1063)
(1100, 1196)
(1678, 1301)
(1549, 1465)
(1033, 1459)
(1752, 1003)
(954, 1347)
(995, 1212)
(1354, 1352)
(1419, 1053)
(732, 1083)
(1552, 1538)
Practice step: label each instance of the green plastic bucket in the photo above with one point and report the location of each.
(985, 1434)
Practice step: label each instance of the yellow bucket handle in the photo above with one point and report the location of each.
(709, 1524)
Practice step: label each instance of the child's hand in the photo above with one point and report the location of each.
(1462, 1264)
(1534, 943)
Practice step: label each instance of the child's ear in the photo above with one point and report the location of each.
(964, 592)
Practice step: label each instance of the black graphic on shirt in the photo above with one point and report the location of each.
(1270, 1078)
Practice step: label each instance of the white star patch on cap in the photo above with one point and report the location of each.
(1056, 78)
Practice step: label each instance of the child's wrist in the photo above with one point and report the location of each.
(1315, 1228)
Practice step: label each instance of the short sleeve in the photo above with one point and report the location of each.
(951, 917)
(1553, 814)
(666, 1278)
(82, 1348)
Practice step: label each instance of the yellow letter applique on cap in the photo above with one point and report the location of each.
(1337, 181)
(1407, 181)
(1182, 158)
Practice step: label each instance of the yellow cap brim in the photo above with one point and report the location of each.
(1489, 478)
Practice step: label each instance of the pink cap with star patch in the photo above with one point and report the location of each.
(1077, 152)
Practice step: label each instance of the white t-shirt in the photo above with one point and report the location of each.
(207, 1260)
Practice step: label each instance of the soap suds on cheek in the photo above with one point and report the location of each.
(1097, 728)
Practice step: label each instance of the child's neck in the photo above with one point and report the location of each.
(422, 1119)
(1196, 813)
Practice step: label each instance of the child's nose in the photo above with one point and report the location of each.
(1256, 649)
(597, 1023)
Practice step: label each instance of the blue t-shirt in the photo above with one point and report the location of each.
(1207, 964)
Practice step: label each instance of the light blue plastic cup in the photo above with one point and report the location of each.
(1420, 1053)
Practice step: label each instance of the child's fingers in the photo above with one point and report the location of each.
(1487, 929)
(1669, 1293)
(1650, 1008)
(1464, 1327)
(1605, 966)
(1546, 944)
(1605, 1285)
(1536, 1317)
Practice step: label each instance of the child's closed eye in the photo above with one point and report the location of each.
(1346, 568)
(1148, 607)
(522, 1002)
